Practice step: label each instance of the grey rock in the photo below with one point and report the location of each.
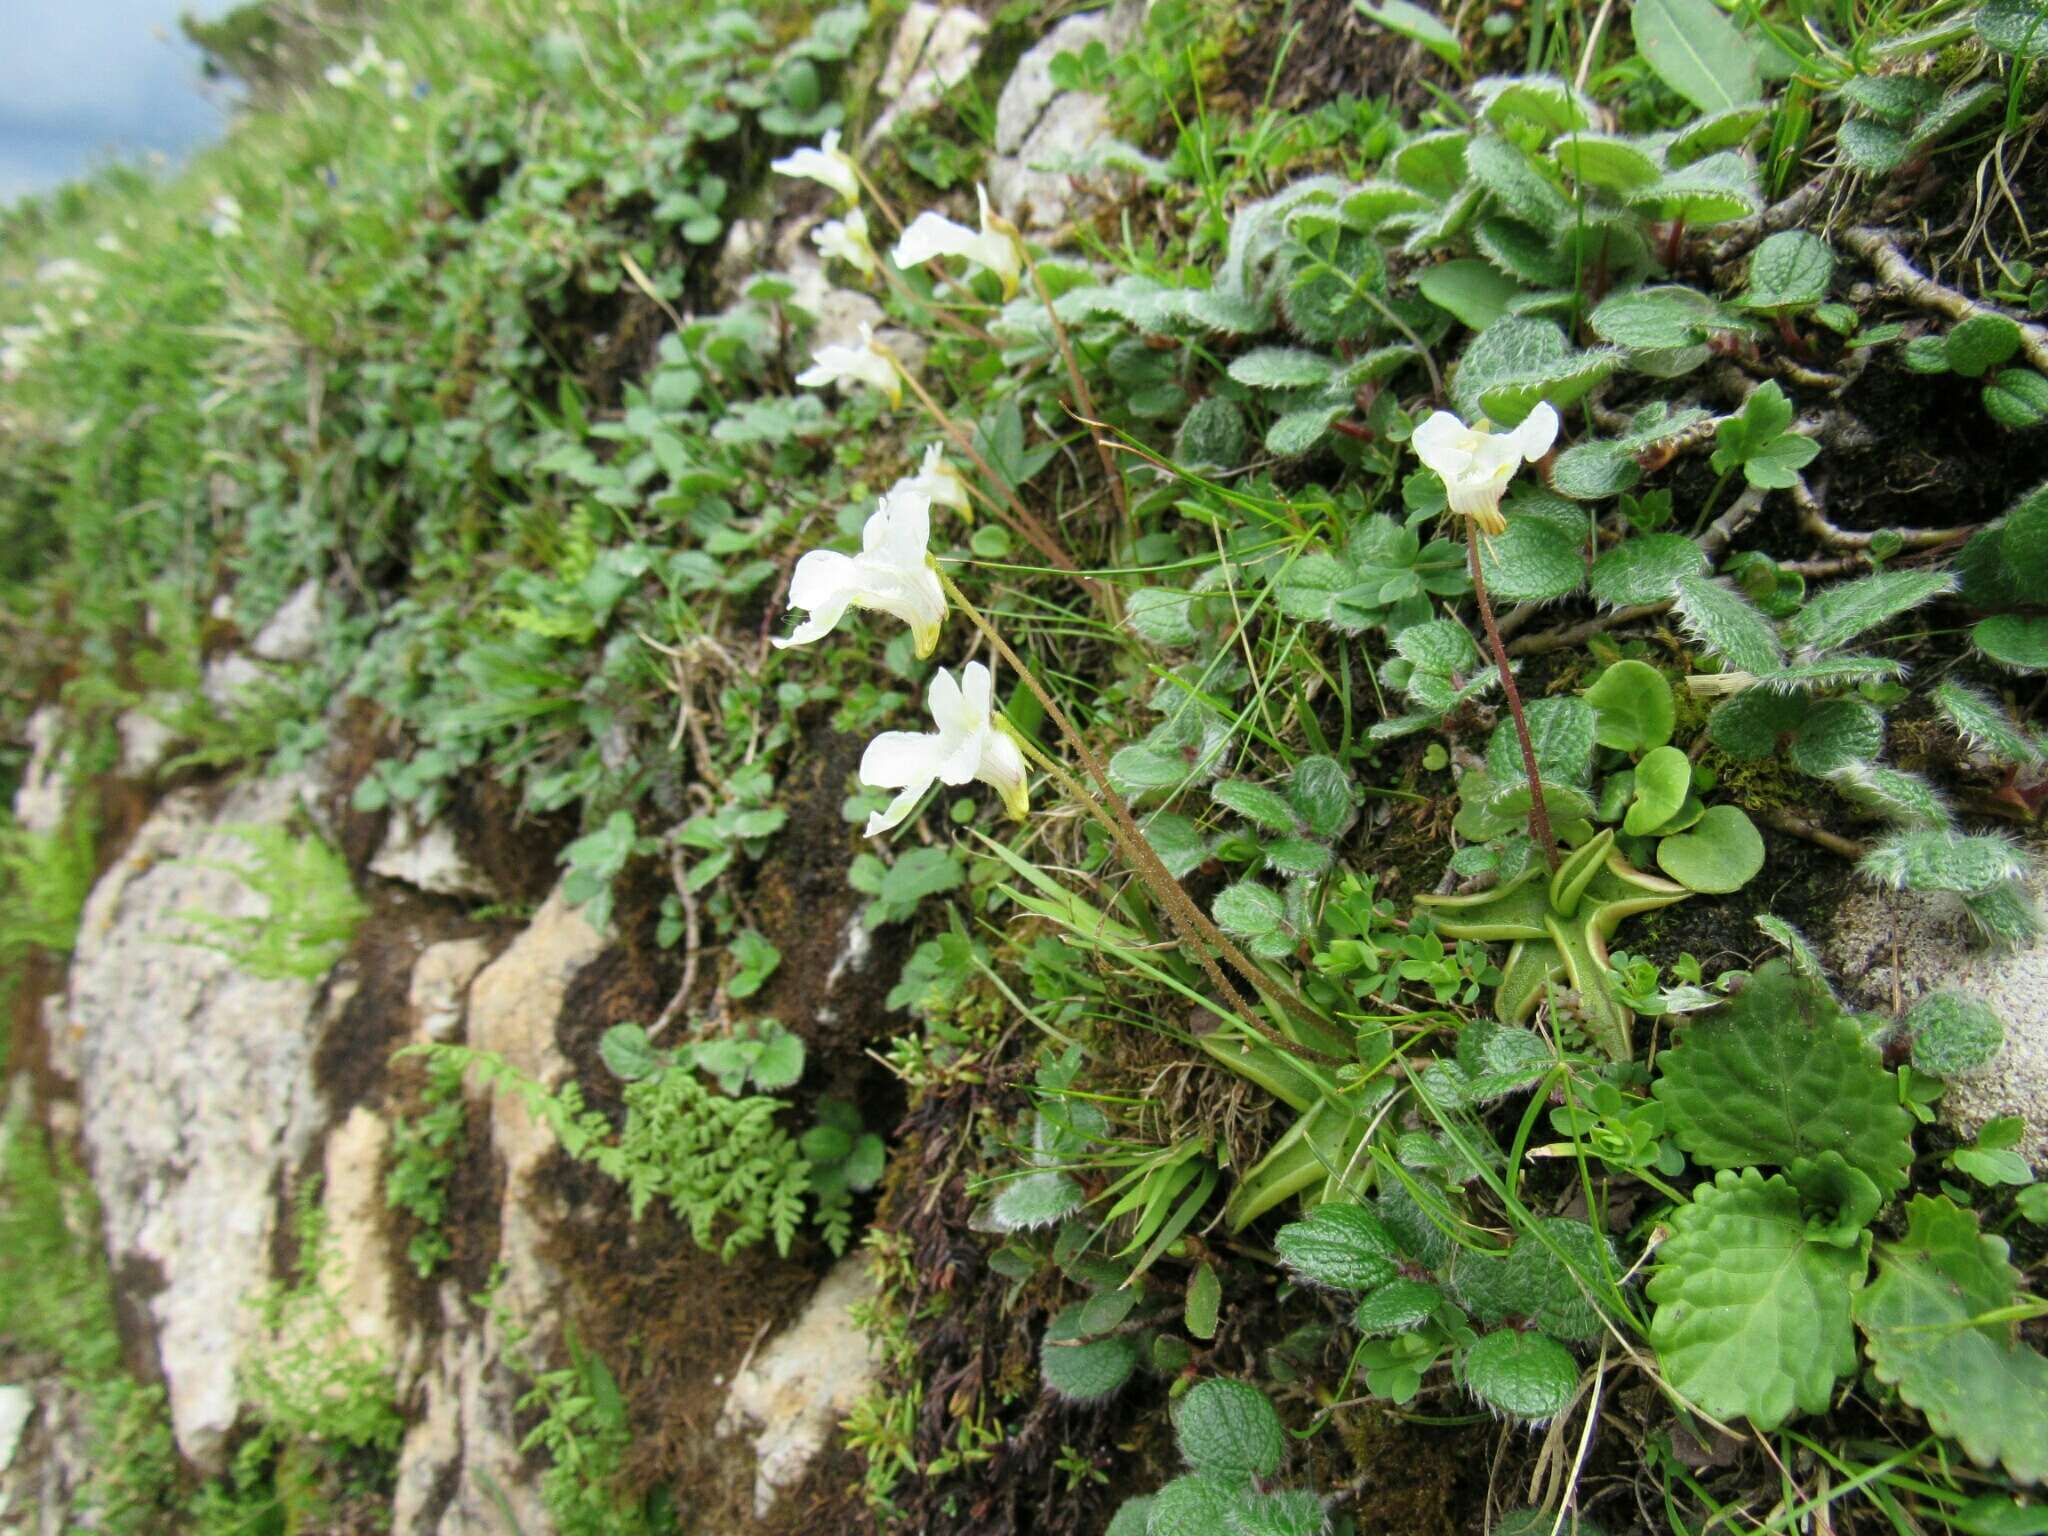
(466, 1432)
(1898, 946)
(440, 985)
(427, 859)
(229, 680)
(936, 47)
(145, 743)
(1038, 124)
(196, 1094)
(294, 630)
(39, 801)
(16, 1404)
(807, 1378)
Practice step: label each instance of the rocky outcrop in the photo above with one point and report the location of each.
(196, 1094)
(1892, 947)
(935, 48)
(804, 1382)
(462, 1455)
(1039, 126)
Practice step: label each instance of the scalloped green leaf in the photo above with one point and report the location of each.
(1781, 1073)
(1396, 1307)
(1644, 568)
(1516, 181)
(1259, 804)
(1079, 1369)
(2017, 398)
(1193, 1505)
(1750, 725)
(1440, 645)
(1345, 1247)
(1035, 1200)
(1281, 1512)
(1789, 270)
(1523, 1375)
(1517, 362)
(1606, 161)
(1657, 318)
(1227, 1429)
(1543, 102)
(1713, 190)
(1980, 343)
(1320, 791)
(1281, 368)
(1921, 1321)
(1563, 731)
(1298, 432)
(1727, 624)
(1752, 1316)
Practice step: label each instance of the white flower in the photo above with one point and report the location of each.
(224, 217)
(1477, 463)
(869, 363)
(893, 573)
(996, 247)
(847, 240)
(969, 744)
(938, 482)
(827, 163)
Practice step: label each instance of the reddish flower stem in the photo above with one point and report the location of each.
(1539, 818)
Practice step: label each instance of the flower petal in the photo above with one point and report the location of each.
(898, 811)
(930, 235)
(1532, 439)
(1443, 443)
(895, 759)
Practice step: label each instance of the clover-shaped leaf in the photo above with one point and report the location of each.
(1752, 1316)
(1633, 707)
(1780, 1074)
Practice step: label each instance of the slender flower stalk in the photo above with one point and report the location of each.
(1476, 464)
(1084, 401)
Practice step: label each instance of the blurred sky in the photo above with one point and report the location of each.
(81, 78)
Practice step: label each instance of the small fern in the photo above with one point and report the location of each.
(312, 908)
(718, 1162)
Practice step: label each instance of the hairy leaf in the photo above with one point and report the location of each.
(1523, 1375)
(1727, 624)
(1343, 1246)
(1228, 1429)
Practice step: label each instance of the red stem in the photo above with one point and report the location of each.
(1539, 817)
